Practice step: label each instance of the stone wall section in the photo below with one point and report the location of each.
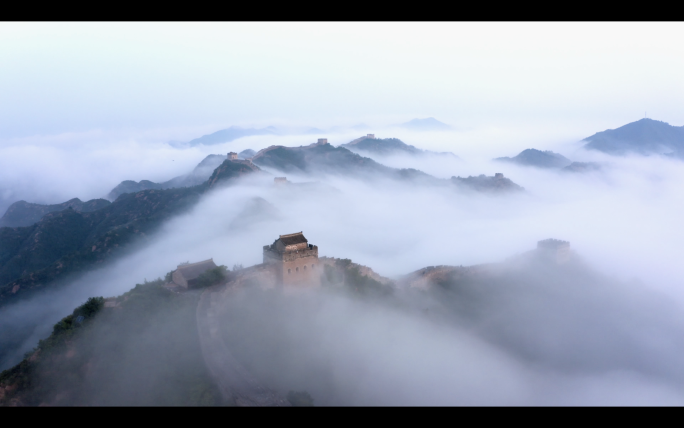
(178, 278)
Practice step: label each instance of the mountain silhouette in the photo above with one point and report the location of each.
(22, 213)
(538, 158)
(645, 136)
(230, 134)
(427, 124)
(389, 146)
(198, 176)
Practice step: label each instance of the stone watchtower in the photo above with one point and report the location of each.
(232, 156)
(294, 260)
(554, 250)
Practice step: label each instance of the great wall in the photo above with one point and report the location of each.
(292, 265)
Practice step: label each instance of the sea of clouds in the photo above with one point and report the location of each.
(623, 221)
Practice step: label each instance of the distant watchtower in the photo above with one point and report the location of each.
(498, 175)
(554, 250)
(294, 259)
(232, 156)
(280, 180)
(322, 141)
(371, 136)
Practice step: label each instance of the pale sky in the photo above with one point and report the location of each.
(77, 77)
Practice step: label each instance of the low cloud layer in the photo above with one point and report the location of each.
(622, 221)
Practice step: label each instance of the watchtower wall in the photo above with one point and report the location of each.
(294, 267)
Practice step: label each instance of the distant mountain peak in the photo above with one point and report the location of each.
(427, 124)
(388, 146)
(644, 136)
(229, 134)
(538, 158)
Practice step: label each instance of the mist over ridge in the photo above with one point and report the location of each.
(341, 213)
(618, 219)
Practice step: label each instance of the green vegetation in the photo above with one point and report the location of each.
(143, 351)
(65, 329)
(285, 159)
(348, 274)
(365, 285)
(69, 242)
(343, 263)
(211, 277)
(226, 172)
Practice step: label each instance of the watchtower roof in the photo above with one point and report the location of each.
(193, 270)
(293, 239)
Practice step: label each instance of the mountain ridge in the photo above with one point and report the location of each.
(230, 134)
(389, 146)
(197, 176)
(538, 158)
(22, 213)
(67, 241)
(427, 124)
(645, 136)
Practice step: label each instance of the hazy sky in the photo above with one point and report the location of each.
(76, 77)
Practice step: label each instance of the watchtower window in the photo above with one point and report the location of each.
(304, 267)
(289, 271)
(313, 266)
(296, 269)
